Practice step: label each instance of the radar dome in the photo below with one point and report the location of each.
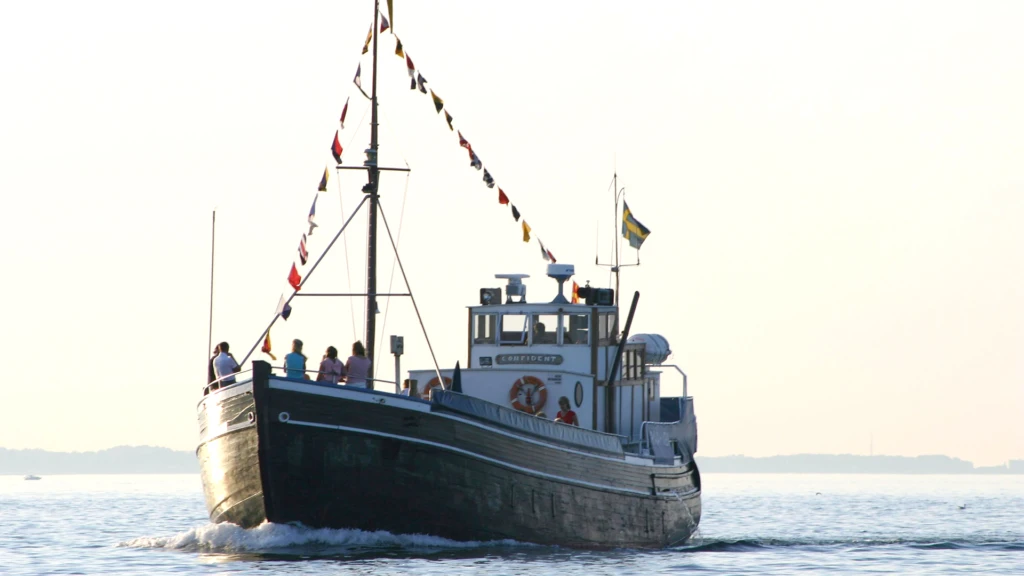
(656, 347)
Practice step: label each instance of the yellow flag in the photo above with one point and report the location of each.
(391, 14)
(323, 182)
(369, 36)
(526, 231)
(399, 51)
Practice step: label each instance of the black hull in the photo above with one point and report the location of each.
(336, 458)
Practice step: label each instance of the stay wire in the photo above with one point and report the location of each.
(391, 281)
(348, 268)
(408, 288)
(401, 219)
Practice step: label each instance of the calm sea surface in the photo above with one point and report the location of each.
(752, 524)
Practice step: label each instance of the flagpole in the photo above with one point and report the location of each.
(213, 242)
(371, 188)
(615, 223)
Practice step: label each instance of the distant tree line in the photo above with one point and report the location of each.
(851, 464)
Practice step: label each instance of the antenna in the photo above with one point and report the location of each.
(213, 245)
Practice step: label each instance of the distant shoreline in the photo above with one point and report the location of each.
(155, 460)
(851, 464)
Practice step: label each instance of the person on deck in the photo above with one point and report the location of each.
(211, 375)
(331, 369)
(357, 369)
(295, 362)
(224, 365)
(565, 415)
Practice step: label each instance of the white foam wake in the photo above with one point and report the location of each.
(276, 537)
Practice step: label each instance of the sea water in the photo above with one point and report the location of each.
(752, 524)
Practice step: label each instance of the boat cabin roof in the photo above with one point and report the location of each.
(539, 308)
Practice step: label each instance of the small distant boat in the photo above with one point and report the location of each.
(32, 477)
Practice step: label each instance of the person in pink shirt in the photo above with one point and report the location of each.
(357, 369)
(331, 369)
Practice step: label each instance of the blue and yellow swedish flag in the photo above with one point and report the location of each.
(632, 229)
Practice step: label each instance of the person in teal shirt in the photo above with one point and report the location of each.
(295, 361)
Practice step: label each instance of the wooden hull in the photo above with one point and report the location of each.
(337, 458)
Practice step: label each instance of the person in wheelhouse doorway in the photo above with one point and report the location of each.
(565, 415)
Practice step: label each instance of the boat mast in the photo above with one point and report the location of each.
(373, 174)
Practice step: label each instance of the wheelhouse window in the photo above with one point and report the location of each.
(485, 326)
(608, 329)
(545, 329)
(633, 363)
(577, 329)
(514, 329)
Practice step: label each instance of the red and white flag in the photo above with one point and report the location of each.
(545, 253)
(303, 253)
(344, 112)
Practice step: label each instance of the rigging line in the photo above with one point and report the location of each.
(387, 124)
(309, 273)
(408, 289)
(348, 269)
(391, 281)
(341, 203)
(358, 124)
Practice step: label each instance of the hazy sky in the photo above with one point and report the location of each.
(834, 190)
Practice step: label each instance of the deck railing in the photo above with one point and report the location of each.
(236, 378)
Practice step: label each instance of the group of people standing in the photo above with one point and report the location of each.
(353, 372)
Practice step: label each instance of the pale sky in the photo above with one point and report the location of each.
(834, 191)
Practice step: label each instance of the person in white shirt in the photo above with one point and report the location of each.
(224, 365)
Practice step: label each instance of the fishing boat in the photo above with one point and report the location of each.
(473, 452)
(32, 477)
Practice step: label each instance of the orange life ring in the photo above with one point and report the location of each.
(534, 400)
(434, 383)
